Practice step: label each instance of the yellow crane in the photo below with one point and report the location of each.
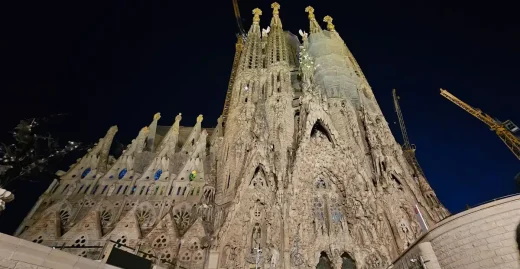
(241, 39)
(505, 130)
(408, 149)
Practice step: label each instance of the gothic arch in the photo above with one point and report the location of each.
(324, 261)
(259, 178)
(347, 262)
(321, 182)
(322, 127)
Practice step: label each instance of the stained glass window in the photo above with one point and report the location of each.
(193, 174)
(122, 173)
(157, 174)
(85, 172)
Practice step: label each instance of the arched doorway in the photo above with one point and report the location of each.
(324, 262)
(347, 262)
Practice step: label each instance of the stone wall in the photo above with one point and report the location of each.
(16, 253)
(481, 237)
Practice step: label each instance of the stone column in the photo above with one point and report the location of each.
(428, 255)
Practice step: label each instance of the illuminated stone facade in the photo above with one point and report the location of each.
(304, 167)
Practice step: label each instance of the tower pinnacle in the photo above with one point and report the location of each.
(275, 21)
(330, 25)
(276, 8)
(256, 12)
(314, 26)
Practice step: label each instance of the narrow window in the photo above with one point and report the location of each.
(198, 191)
(147, 190)
(86, 190)
(104, 189)
(126, 188)
(142, 190)
(80, 188)
(179, 191)
(171, 189)
(156, 190)
(133, 189)
(184, 191)
(228, 180)
(95, 189)
(65, 188)
(119, 189)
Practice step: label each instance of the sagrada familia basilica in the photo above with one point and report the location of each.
(301, 171)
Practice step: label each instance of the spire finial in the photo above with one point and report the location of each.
(276, 8)
(257, 12)
(157, 116)
(310, 10)
(275, 21)
(199, 118)
(330, 25)
(315, 27)
(178, 117)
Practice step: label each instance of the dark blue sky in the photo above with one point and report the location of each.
(119, 62)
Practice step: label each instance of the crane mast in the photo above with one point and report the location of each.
(504, 130)
(241, 39)
(408, 149)
(241, 30)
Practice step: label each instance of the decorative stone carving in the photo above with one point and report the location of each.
(301, 162)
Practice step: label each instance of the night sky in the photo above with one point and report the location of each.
(119, 62)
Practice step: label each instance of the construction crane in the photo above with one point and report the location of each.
(241, 40)
(505, 130)
(241, 30)
(408, 149)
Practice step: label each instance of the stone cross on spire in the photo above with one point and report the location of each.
(276, 12)
(314, 26)
(276, 8)
(310, 10)
(256, 12)
(330, 25)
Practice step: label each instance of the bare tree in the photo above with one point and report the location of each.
(29, 153)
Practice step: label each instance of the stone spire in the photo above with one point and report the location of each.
(103, 154)
(314, 26)
(276, 41)
(252, 54)
(151, 134)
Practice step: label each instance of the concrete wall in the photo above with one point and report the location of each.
(481, 237)
(21, 254)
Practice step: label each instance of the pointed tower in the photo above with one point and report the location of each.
(252, 54)
(277, 51)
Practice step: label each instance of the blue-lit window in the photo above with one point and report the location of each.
(158, 174)
(85, 172)
(122, 173)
